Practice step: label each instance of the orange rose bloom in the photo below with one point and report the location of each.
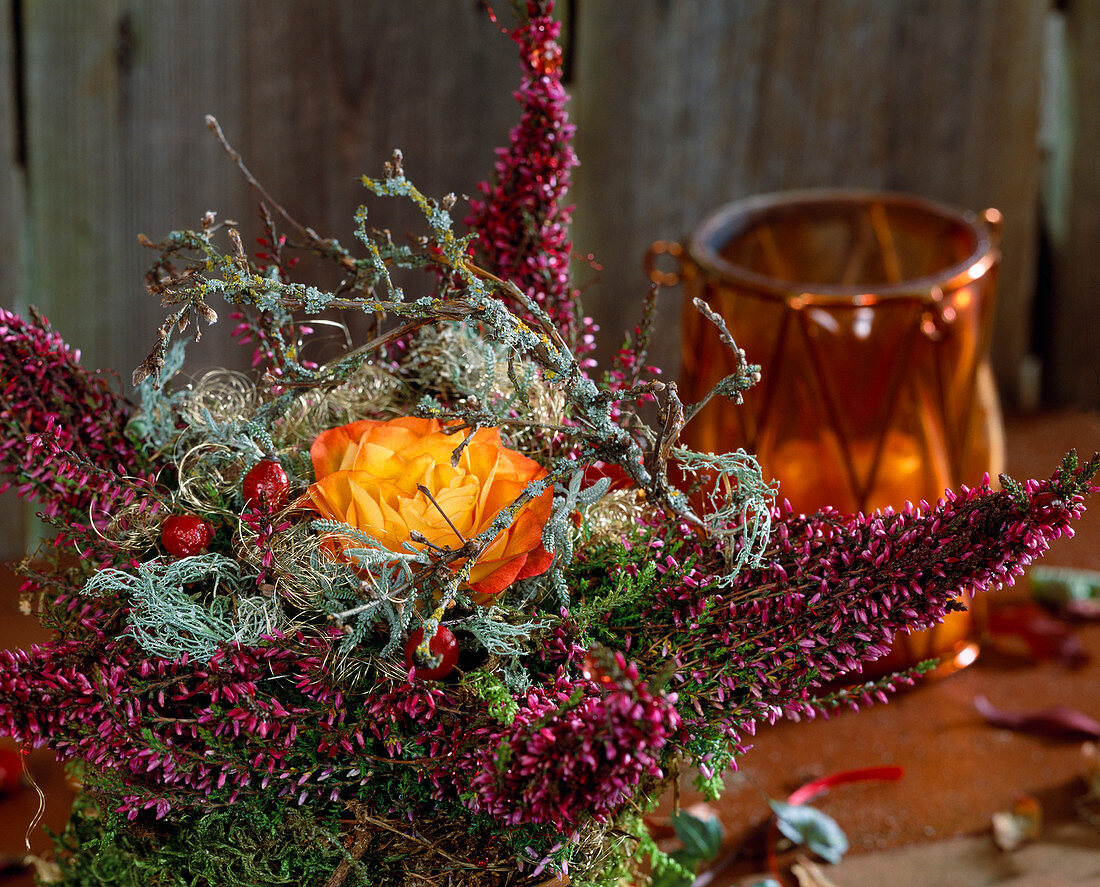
(367, 476)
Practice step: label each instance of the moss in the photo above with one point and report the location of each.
(265, 844)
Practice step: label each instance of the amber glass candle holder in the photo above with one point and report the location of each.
(869, 314)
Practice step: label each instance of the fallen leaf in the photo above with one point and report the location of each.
(1074, 593)
(1088, 804)
(1058, 720)
(1045, 638)
(1022, 823)
(814, 820)
(809, 827)
(809, 874)
(699, 831)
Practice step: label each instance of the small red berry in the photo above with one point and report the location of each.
(267, 485)
(11, 770)
(442, 644)
(185, 535)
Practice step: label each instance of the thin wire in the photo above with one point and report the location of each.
(41, 800)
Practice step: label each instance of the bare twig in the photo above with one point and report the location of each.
(428, 493)
(215, 127)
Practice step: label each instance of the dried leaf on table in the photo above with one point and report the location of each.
(1056, 721)
(1044, 636)
(1073, 593)
(46, 871)
(809, 874)
(1088, 804)
(700, 831)
(809, 827)
(1022, 823)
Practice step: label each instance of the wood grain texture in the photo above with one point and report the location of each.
(361, 79)
(313, 95)
(685, 105)
(1074, 358)
(433, 80)
(11, 173)
(12, 295)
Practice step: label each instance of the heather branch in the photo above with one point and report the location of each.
(836, 588)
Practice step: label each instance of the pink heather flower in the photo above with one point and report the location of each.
(179, 733)
(576, 751)
(838, 587)
(521, 223)
(62, 429)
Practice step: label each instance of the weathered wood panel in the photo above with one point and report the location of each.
(11, 187)
(313, 95)
(434, 80)
(1073, 374)
(115, 97)
(12, 510)
(334, 87)
(684, 105)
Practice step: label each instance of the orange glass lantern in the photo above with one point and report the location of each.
(870, 314)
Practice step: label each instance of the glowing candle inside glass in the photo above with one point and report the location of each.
(869, 314)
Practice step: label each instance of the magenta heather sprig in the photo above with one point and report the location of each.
(62, 429)
(543, 744)
(576, 750)
(272, 719)
(521, 224)
(179, 733)
(838, 587)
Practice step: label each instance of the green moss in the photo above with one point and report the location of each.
(491, 689)
(263, 844)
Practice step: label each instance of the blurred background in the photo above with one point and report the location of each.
(681, 106)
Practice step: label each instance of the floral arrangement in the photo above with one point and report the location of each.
(430, 611)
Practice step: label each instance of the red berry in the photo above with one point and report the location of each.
(11, 770)
(266, 485)
(443, 645)
(185, 535)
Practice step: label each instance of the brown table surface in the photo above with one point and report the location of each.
(926, 830)
(932, 827)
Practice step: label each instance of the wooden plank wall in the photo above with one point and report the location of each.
(313, 95)
(1074, 306)
(682, 105)
(12, 292)
(686, 105)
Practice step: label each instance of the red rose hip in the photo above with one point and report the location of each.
(443, 644)
(185, 535)
(266, 484)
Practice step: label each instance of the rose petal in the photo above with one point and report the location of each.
(497, 579)
(537, 563)
(332, 447)
(370, 475)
